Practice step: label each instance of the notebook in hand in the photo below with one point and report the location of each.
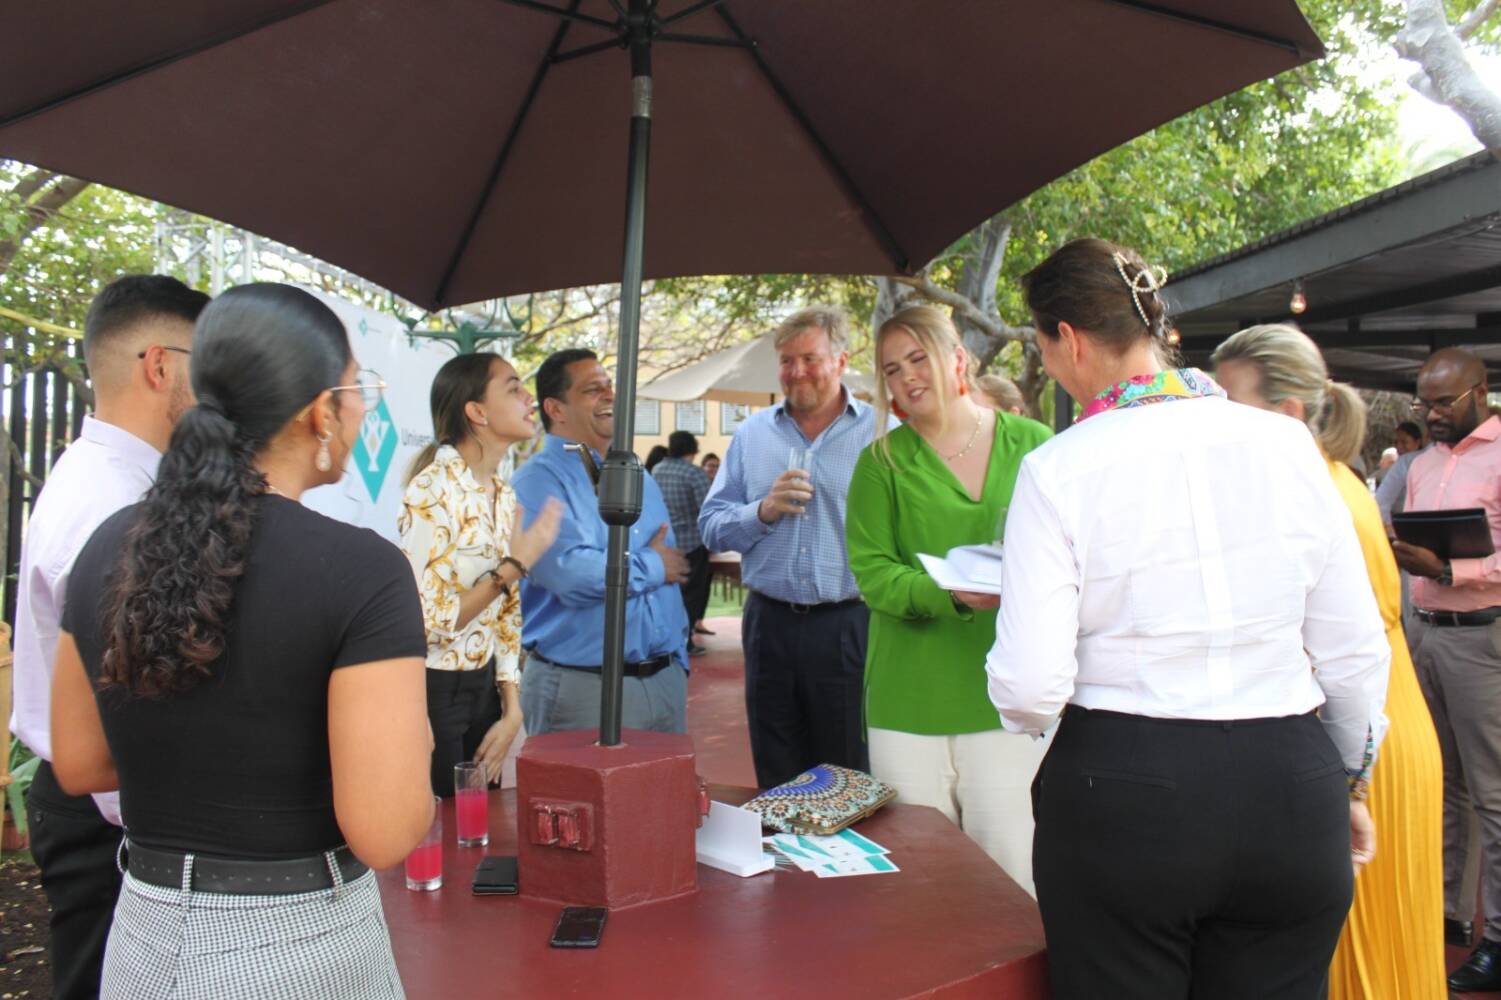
(1449, 534)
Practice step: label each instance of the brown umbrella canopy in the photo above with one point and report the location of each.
(435, 147)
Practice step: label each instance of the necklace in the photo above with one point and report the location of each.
(973, 437)
(273, 489)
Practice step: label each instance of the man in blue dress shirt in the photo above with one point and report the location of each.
(805, 626)
(563, 597)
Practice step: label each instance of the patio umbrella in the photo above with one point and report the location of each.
(456, 150)
(745, 373)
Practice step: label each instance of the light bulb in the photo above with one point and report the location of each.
(1298, 304)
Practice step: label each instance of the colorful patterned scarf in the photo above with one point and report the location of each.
(1164, 387)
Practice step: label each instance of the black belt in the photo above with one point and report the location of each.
(804, 609)
(240, 876)
(640, 668)
(1484, 616)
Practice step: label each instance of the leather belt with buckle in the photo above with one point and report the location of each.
(639, 668)
(807, 609)
(1458, 619)
(241, 876)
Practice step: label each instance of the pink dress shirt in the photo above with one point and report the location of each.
(1450, 478)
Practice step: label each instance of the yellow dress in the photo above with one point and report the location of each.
(1392, 947)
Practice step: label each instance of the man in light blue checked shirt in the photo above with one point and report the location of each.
(779, 500)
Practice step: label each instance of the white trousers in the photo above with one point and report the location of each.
(981, 781)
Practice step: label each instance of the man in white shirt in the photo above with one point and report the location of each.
(137, 340)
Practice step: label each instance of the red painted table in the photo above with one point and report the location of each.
(950, 924)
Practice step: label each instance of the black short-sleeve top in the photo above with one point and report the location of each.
(238, 766)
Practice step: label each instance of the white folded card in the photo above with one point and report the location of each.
(730, 840)
(975, 568)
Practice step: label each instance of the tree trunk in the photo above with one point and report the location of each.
(890, 297)
(1446, 74)
(982, 269)
(1034, 380)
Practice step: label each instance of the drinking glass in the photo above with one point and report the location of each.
(471, 801)
(425, 863)
(1000, 525)
(801, 460)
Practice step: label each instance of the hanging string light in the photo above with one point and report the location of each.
(1298, 304)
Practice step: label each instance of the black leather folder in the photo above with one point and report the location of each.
(1450, 534)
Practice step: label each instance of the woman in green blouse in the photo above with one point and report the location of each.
(941, 480)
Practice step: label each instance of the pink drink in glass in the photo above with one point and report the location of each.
(473, 807)
(425, 867)
(425, 863)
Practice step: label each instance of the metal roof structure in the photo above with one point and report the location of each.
(1387, 279)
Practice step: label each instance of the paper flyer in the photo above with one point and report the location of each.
(843, 854)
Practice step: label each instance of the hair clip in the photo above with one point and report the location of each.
(1148, 280)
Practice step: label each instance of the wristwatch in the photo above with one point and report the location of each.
(1445, 576)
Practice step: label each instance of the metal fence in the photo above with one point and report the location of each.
(44, 412)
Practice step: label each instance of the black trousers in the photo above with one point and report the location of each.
(696, 588)
(74, 846)
(462, 705)
(804, 687)
(1188, 859)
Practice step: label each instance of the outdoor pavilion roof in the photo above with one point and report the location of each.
(1388, 279)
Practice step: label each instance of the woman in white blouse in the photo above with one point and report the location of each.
(459, 526)
(1183, 584)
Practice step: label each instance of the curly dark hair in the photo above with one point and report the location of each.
(261, 353)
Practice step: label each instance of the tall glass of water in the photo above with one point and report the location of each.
(800, 459)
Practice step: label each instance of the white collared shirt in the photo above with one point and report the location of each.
(1190, 559)
(104, 470)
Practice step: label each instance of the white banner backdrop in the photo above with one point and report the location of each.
(369, 495)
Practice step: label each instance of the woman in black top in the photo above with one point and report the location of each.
(249, 674)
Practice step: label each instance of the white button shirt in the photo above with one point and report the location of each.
(1187, 560)
(104, 470)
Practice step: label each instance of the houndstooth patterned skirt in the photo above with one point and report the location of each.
(176, 944)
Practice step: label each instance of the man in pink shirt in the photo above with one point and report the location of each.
(1456, 637)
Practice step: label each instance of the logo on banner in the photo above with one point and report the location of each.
(375, 447)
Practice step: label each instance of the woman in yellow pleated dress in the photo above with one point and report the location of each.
(1392, 947)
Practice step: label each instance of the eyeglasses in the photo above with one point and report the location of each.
(175, 350)
(371, 386)
(1421, 406)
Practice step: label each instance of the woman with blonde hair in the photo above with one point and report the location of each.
(1002, 394)
(1392, 944)
(942, 479)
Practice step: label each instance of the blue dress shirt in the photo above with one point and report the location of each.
(801, 558)
(563, 598)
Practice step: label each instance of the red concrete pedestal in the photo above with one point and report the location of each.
(607, 826)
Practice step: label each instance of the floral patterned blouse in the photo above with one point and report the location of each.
(452, 536)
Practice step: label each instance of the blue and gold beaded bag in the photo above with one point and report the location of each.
(821, 801)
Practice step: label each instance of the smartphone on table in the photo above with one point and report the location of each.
(495, 876)
(579, 927)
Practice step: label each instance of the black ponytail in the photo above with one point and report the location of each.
(260, 354)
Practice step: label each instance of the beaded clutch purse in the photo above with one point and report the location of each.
(821, 801)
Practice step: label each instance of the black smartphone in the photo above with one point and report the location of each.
(579, 927)
(495, 876)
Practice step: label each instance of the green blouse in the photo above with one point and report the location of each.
(925, 668)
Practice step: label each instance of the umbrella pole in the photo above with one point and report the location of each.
(620, 481)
